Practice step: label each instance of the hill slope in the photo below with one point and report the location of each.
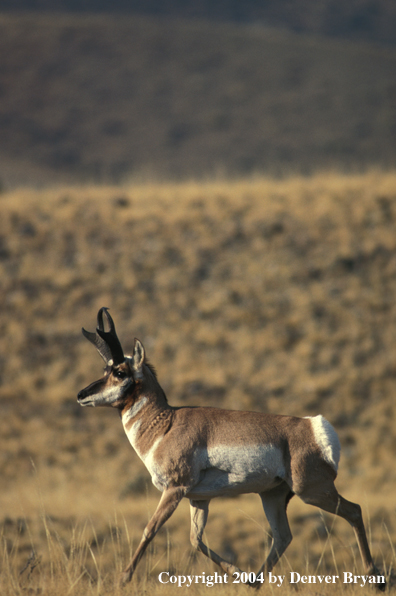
(276, 296)
(293, 280)
(373, 20)
(105, 98)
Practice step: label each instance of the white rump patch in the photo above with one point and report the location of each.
(327, 440)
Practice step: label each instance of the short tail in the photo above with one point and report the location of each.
(327, 440)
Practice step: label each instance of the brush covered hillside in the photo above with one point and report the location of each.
(275, 296)
(103, 98)
(358, 19)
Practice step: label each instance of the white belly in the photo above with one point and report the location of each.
(235, 470)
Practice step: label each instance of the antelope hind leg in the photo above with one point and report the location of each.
(326, 497)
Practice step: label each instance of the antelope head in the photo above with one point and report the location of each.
(121, 372)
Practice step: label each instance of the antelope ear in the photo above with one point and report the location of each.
(138, 359)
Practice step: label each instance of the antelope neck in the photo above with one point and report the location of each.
(151, 414)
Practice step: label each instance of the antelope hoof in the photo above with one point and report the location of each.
(375, 573)
(381, 587)
(125, 578)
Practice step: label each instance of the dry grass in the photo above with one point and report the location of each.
(293, 280)
(84, 554)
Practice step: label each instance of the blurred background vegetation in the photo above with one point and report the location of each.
(221, 176)
(103, 97)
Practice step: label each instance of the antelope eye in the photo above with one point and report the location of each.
(120, 374)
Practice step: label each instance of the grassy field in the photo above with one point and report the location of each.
(293, 279)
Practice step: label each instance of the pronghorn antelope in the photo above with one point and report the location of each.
(201, 453)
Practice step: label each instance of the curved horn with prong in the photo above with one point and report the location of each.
(106, 342)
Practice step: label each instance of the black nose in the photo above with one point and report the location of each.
(80, 395)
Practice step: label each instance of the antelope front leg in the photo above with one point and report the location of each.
(199, 516)
(167, 505)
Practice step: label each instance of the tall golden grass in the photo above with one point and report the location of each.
(292, 279)
(47, 554)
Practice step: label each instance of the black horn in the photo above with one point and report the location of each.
(110, 337)
(106, 342)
